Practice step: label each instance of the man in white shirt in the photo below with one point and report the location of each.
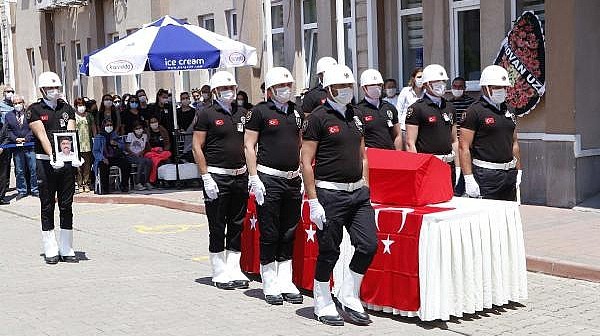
(66, 153)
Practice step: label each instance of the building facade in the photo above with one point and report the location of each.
(559, 140)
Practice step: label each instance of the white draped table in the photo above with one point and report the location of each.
(470, 258)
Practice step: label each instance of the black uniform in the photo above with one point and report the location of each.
(378, 124)
(314, 98)
(278, 148)
(460, 105)
(51, 182)
(224, 148)
(435, 127)
(492, 142)
(338, 159)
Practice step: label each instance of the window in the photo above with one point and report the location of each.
(410, 38)
(277, 31)
(309, 36)
(465, 37)
(536, 6)
(207, 22)
(349, 35)
(32, 68)
(232, 24)
(78, 62)
(118, 82)
(62, 67)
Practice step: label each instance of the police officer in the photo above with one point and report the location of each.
(218, 147)
(338, 195)
(275, 181)
(55, 178)
(380, 118)
(316, 96)
(430, 126)
(489, 150)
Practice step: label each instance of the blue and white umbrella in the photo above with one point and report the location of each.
(168, 44)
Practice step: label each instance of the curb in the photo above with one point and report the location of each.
(555, 267)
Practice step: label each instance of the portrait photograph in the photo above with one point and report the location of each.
(66, 147)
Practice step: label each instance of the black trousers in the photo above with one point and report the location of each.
(59, 184)
(278, 217)
(226, 213)
(104, 168)
(4, 172)
(354, 211)
(496, 183)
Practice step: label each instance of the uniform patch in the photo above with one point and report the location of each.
(409, 112)
(65, 116)
(333, 129)
(248, 115)
(28, 114)
(219, 122)
(323, 101)
(243, 120)
(490, 121)
(44, 117)
(359, 124)
(273, 122)
(390, 115)
(368, 118)
(304, 125)
(432, 119)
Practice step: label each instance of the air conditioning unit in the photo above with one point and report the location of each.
(71, 3)
(44, 5)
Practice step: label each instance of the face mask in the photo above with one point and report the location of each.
(457, 93)
(283, 94)
(163, 100)
(143, 99)
(206, 97)
(240, 102)
(419, 82)
(9, 95)
(374, 92)
(197, 99)
(19, 107)
(108, 103)
(438, 88)
(53, 95)
(108, 129)
(227, 97)
(185, 102)
(133, 105)
(154, 126)
(390, 92)
(138, 132)
(498, 96)
(80, 109)
(117, 104)
(344, 96)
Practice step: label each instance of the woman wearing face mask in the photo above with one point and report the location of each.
(185, 112)
(108, 150)
(430, 123)
(380, 118)
(136, 145)
(132, 115)
(489, 150)
(408, 96)
(162, 110)
(160, 145)
(86, 130)
(107, 110)
(242, 100)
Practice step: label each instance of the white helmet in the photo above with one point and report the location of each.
(434, 72)
(338, 74)
(222, 78)
(48, 79)
(278, 75)
(494, 75)
(370, 77)
(324, 63)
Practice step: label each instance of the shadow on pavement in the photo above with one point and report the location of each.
(306, 312)
(81, 256)
(255, 293)
(205, 281)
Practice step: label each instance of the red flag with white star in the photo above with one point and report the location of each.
(250, 241)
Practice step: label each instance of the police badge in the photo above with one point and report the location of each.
(409, 111)
(304, 125)
(390, 115)
(298, 119)
(248, 115)
(358, 123)
(243, 120)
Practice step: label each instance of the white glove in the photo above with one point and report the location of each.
(210, 187)
(56, 164)
(78, 163)
(457, 175)
(519, 177)
(257, 188)
(471, 186)
(317, 213)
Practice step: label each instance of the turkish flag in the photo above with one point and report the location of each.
(250, 241)
(306, 250)
(490, 121)
(392, 279)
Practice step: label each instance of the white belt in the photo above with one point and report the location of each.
(340, 186)
(278, 173)
(446, 157)
(42, 157)
(227, 171)
(492, 165)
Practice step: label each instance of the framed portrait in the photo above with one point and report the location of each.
(66, 146)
